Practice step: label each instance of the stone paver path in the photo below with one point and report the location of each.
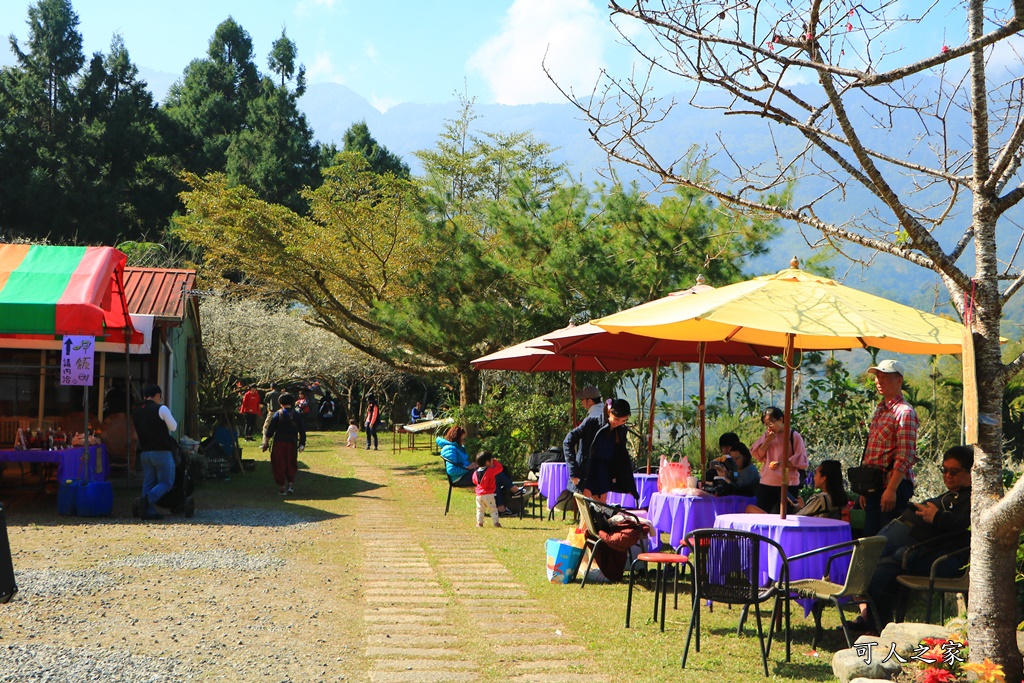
(425, 579)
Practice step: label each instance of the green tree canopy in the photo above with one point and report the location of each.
(81, 152)
(358, 139)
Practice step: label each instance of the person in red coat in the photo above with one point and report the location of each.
(251, 410)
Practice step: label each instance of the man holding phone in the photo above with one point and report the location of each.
(948, 513)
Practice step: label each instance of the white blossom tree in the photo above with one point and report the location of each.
(905, 131)
(244, 338)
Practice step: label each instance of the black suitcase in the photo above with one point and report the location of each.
(7, 586)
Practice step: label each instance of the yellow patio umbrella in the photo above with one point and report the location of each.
(794, 310)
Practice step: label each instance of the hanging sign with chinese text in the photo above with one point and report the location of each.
(76, 360)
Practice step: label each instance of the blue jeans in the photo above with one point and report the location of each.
(157, 476)
(371, 432)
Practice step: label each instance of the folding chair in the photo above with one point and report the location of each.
(726, 567)
(593, 538)
(864, 554)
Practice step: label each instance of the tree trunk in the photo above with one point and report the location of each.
(469, 394)
(994, 539)
(469, 387)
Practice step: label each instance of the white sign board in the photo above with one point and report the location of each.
(76, 360)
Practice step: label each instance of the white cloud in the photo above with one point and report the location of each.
(322, 70)
(568, 36)
(382, 104)
(371, 52)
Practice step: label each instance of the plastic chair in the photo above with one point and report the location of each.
(726, 567)
(864, 554)
(661, 561)
(932, 584)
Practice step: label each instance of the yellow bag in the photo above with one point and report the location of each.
(577, 538)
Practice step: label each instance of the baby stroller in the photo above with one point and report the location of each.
(179, 499)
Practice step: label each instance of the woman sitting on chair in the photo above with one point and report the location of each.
(457, 464)
(829, 502)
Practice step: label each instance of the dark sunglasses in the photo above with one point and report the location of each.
(951, 470)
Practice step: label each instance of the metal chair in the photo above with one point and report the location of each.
(864, 555)
(593, 537)
(726, 567)
(451, 483)
(932, 584)
(661, 562)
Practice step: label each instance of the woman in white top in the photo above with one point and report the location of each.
(768, 450)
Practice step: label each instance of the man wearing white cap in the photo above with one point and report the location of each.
(891, 447)
(590, 399)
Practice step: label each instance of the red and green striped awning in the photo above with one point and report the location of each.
(48, 291)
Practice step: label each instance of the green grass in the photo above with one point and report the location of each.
(596, 613)
(326, 487)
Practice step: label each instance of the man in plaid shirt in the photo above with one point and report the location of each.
(892, 447)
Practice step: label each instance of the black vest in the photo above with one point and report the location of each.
(152, 430)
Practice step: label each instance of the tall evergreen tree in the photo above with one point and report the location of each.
(228, 118)
(281, 61)
(358, 139)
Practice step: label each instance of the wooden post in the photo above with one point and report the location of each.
(787, 443)
(702, 411)
(650, 423)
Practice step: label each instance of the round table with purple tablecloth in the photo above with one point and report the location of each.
(796, 534)
(646, 486)
(678, 515)
(552, 481)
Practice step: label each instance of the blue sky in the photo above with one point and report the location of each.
(388, 51)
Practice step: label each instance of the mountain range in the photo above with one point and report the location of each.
(406, 128)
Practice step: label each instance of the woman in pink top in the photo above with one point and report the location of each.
(769, 450)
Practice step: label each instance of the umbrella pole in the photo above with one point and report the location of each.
(702, 410)
(572, 389)
(787, 443)
(650, 422)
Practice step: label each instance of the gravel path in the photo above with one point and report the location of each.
(378, 591)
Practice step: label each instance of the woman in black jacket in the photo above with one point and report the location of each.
(596, 454)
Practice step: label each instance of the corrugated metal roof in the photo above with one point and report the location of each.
(157, 291)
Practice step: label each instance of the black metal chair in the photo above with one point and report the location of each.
(726, 567)
(864, 554)
(959, 549)
(451, 483)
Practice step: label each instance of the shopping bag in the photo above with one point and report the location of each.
(563, 560)
(577, 538)
(672, 476)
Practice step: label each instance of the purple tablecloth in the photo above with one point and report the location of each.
(69, 461)
(646, 485)
(552, 480)
(678, 515)
(795, 534)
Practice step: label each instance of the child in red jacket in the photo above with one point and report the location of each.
(487, 469)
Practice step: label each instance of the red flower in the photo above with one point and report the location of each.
(933, 675)
(945, 49)
(849, 26)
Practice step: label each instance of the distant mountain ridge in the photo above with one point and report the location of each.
(406, 128)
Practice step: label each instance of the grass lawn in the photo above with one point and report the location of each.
(597, 612)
